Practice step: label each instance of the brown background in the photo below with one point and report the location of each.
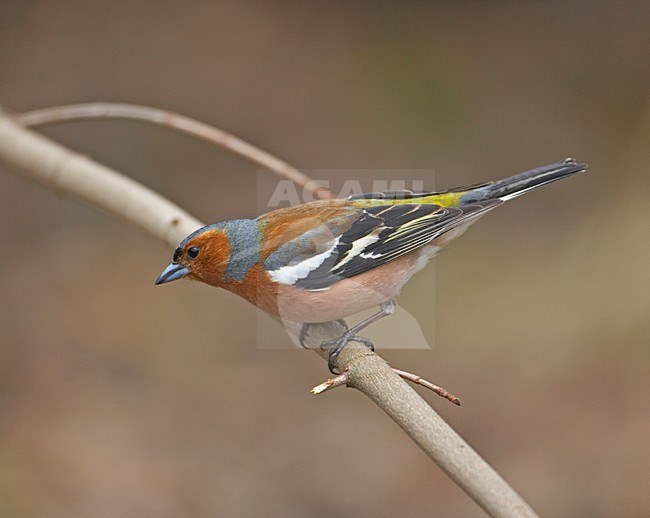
(118, 398)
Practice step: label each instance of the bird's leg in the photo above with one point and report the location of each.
(304, 331)
(385, 309)
(336, 346)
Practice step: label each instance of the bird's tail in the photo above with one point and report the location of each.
(524, 182)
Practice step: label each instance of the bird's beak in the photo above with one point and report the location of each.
(173, 272)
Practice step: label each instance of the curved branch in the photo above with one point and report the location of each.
(93, 111)
(57, 167)
(78, 176)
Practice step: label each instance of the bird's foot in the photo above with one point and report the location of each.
(334, 347)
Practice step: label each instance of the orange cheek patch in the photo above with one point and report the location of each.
(211, 264)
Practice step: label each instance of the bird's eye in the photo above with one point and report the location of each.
(192, 252)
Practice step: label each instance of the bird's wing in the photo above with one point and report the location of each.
(379, 234)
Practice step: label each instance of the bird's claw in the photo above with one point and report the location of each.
(336, 346)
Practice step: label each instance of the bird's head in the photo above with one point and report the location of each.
(203, 256)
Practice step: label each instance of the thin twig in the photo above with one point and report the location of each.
(93, 111)
(337, 381)
(414, 378)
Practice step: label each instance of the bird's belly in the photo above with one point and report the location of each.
(349, 296)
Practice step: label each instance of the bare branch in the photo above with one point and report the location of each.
(57, 167)
(371, 374)
(73, 174)
(93, 111)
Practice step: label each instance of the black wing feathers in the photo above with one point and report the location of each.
(384, 233)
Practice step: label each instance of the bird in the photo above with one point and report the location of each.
(327, 260)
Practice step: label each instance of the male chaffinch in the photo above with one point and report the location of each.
(329, 259)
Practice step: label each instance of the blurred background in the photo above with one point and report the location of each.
(118, 398)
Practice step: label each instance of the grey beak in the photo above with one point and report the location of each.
(172, 272)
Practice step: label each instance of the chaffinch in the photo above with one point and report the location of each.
(329, 259)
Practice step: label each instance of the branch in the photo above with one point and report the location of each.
(59, 168)
(92, 111)
(371, 374)
(73, 174)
